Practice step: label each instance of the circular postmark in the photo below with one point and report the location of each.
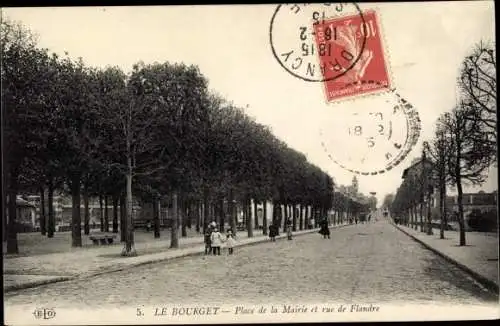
(318, 42)
(373, 137)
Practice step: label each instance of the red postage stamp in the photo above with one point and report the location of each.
(351, 48)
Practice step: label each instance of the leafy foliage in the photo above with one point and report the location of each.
(157, 127)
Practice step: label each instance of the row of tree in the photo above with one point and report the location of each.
(157, 133)
(463, 148)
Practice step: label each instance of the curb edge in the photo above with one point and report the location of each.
(36, 284)
(486, 282)
(114, 270)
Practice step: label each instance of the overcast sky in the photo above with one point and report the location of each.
(425, 43)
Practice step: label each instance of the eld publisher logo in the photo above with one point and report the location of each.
(44, 313)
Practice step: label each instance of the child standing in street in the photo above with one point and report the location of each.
(216, 241)
(230, 241)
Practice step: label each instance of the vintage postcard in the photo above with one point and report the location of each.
(323, 162)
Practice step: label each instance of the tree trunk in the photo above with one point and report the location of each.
(106, 214)
(198, 217)
(123, 217)
(174, 237)
(248, 209)
(183, 216)
(101, 213)
(222, 214)
(51, 223)
(156, 217)
(275, 218)
(115, 214)
(445, 208)
(282, 215)
(429, 215)
(264, 218)
(461, 221)
(43, 219)
(76, 220)
(294, 224)
(410, 217)
(256, 217)
(304, 215)
(442, 201)
(206, 208)
(301, 217)
(129, 249)
(421, 217)
(308, 212)
(86, 210)
(190, 211)
(415, 216)
(245, 213)
(213, 215)
(12, 246)
(232, 212)
(285, 217)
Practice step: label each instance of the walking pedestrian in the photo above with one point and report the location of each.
(324, 229)
(273, 232)
(289, 233)
(230, 241)
(216, 241)
(289, 229)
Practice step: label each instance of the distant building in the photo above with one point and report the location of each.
(480, 209)
(25, 213)
(57, 206)
(419, 167)
(63, 212)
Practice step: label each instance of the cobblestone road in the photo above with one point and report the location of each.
(367, 262)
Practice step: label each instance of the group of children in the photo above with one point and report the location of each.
(214, 240)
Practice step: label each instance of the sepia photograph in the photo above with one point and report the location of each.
(266, 163)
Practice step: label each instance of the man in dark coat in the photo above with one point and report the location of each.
(273, 231)
(208, 241)
(324, 230)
